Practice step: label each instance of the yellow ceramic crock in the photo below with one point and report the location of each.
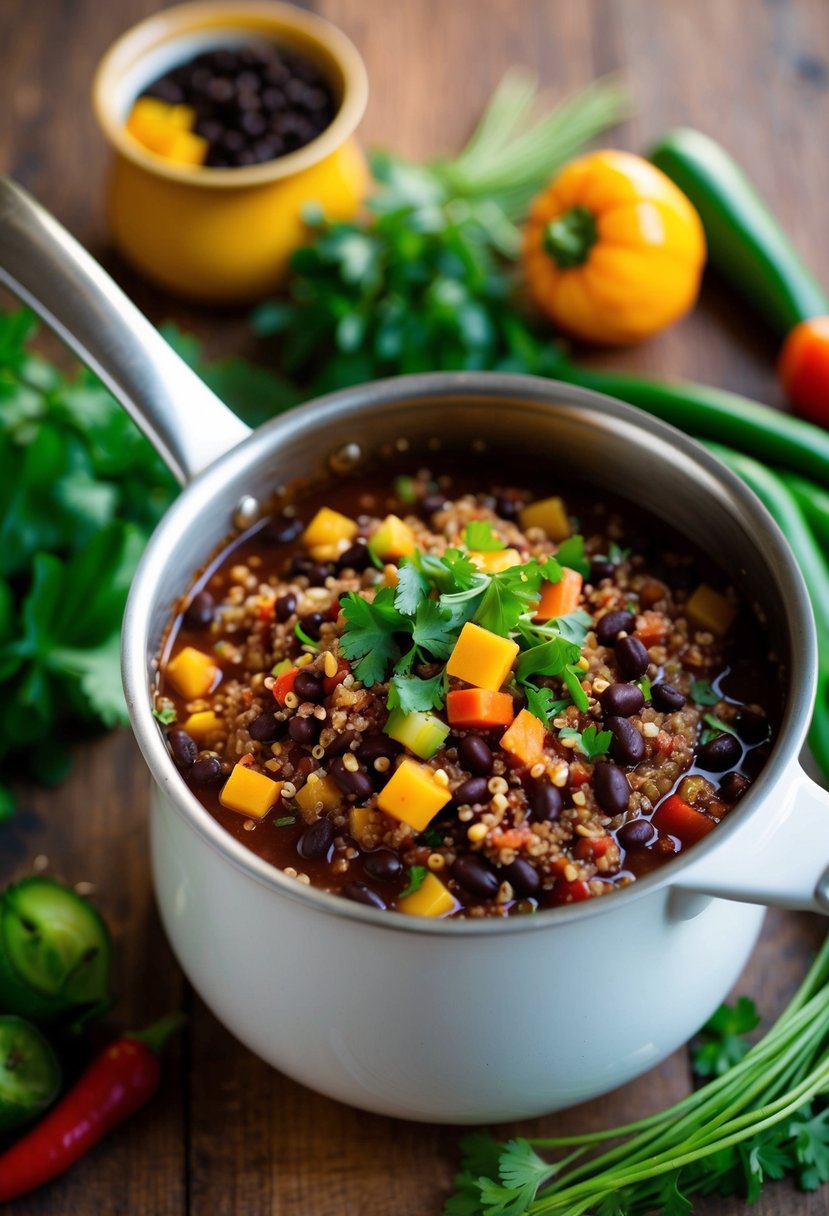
(225, 235)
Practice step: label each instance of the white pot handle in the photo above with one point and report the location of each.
(783, 862)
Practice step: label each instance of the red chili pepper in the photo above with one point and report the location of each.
(117, 1083)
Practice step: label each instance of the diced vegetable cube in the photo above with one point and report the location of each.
(284, 684)
(482, 658)
(676, 818)
(156, 125)
(193, 672)
(249, 793)
(431, 898)
(421, 732)
(187, 148)
(707, 609)
(359, 820)
(328, 527)
(202, 725)
(413, 795)
(557, 599)
(524, 740)
(477, 707)
(392, 540)
(319, 788)
(549, 514)
(494, 561)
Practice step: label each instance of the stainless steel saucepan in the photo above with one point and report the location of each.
(453, 1021)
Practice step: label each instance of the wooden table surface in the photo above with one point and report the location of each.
(227, 1135)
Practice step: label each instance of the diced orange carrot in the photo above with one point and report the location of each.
(478, 707)
(524, 740)
(285, 684)
(652, 628)
(557, 599)
(511, 838)
(676, 817)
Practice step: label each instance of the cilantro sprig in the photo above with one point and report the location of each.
(764, 1117)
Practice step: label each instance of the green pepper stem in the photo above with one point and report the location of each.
(569, 239)
(155, 1037)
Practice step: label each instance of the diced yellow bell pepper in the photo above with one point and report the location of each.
(200, 726)
(326, 553)
(187, 148)
(392, 540)
(495, 561)
(549, 514)
(320, 789)
(155, 124)
(359, 820)
(413, 795)
(430, 899)
(482, 658)
(193, 672)
(707, 609)
(249, 793)
(328, 527)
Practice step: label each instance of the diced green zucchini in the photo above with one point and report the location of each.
(422, 733)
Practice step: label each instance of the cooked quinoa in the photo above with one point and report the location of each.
(646, 752)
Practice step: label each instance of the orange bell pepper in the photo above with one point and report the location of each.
(524, 740)
(557, 599)
(676, 817)
(613, 250)
(477, 707)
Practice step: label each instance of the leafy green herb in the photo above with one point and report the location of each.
(718, 727)
(548, 659)
(305, 638)
(432, 837)
(644, 685)
(412, 587)
(703, 694)
(166, 716)
(764, 1118)
(417, 874)
(284, 821)
(369, 634)
(721, 1043)
(430, 630)
(542, 703)
(507, 597)
(591, 742)
(479, 536)
(571, 553)
(410, 694)
(572, 679)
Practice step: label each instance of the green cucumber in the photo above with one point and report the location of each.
(29, 1073)
(421, 732)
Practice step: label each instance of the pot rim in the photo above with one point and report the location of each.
(423, 388)
(266, 18)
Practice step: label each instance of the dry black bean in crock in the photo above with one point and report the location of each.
(636, 833)
(628, 746)
(357, 783)
(546, 803)
(612, 788)
(382, 865)
(472, 791)
(308, 685)
(474, 755)
(474, 875)
(281, 530)
(206, 771)
(265, 728)
(622, 700)
(285, 606)
(361, 894)
(184, 748)
(200, 610)
(522, 877)
(631, 656)
(612, 624)
(718, 754)
(752, 727)
(304, 730)
(317, 838)
(733, 786)
(666, 698)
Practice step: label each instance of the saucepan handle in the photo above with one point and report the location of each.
(46, 268)
(782, 861)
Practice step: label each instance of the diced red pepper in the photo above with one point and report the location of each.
(676, 817)
(285, 684)
(329, 683)
(590, 848)
(570, 892)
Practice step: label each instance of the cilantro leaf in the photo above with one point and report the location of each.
(591, 742)
(479, 536)
(520, 1165)
(574, 626)
(571, 553)
(811, 1146)
(548, 659)
(412, 587)
(506, 598)
(409, 693)
(703, 694)
(540, 701)
(720, 1044)
(432, 629)
(417, 875)
(369, 634)
(573, 678)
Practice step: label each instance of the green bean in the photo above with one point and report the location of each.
(813, 502)
(781, 504)
(765, 433)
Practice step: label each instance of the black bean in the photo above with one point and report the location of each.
(299, 565)
(356, 557)
(628, 746)
(631, 656)
(733, 786)
(612, 624)
(200, 610)
(612, 788)
(753, 762)
(473, 874)
(265, 728)
(382, 865)
(304, 730)
(636, 833)
(317, 573)
(311, 624)
(666, 698)
(752, 727)
(522, 877)
(718, 754)
(373, 747)
(184, 748)
(308, 685)
(285, 606)
(357, 783)
(361, 894)
(432, 503)
(547, 803)
(474, 755)
(206, 771)
(472, 791)
(340, 744)
(508, 506)
(317, 838)
(601, 569)
(621, 700)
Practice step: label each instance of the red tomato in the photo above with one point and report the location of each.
(803, 369)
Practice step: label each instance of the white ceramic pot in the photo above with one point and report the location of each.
(462, 1021)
